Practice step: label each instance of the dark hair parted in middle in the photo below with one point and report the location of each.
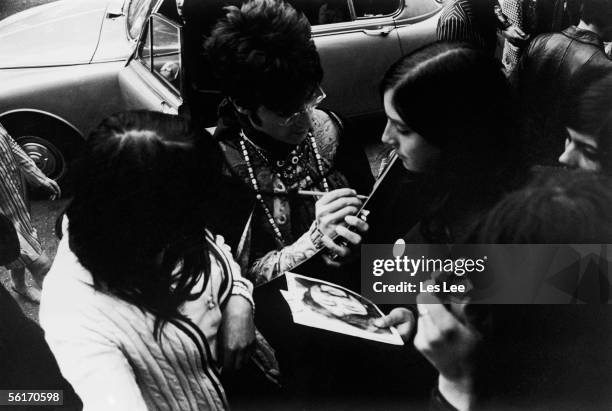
(263, 54)
(137, 219)
(458, 99)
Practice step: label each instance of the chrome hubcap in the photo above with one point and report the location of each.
(46, 156)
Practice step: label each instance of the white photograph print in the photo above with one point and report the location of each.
(327, 306)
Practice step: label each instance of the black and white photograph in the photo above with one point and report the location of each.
(188, 190)
(324, 305)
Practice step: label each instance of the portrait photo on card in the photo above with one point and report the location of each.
(324, 305)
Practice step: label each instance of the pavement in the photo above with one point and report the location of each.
(44, 214)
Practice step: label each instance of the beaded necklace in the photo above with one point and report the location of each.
(294, 161)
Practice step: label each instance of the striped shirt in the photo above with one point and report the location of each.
(470, 21)
(14, 163)
(106, 349)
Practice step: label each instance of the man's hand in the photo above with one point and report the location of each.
(400, 318)
(237, 332)
(515, 35)
(449, 345)
(334, 208)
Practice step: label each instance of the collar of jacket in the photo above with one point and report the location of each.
(584, 36)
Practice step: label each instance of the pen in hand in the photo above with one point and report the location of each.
(321, 193)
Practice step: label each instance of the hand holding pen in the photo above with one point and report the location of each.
(336, 216)
(322, 193)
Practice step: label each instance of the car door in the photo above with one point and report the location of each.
(151, 79)
(357, 43)
(416, 23)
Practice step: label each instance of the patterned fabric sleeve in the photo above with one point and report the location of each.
(29, 169)
(513, 9)
(328, 131)
(276, 262)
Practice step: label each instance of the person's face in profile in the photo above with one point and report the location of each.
(416, 153)
(337, 301)
(581, 151)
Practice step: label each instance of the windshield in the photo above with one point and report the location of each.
(137, 14)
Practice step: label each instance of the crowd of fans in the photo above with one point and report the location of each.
(164, 290)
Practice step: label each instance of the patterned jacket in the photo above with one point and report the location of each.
(344, 165)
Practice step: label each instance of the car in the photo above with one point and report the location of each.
(66, 65)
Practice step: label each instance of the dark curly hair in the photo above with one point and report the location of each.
(263, 54)
(138, 216)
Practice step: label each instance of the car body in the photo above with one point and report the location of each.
(66, 65)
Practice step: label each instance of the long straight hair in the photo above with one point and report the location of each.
(457, 98)
(138, 217)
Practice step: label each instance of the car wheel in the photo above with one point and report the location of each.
(50, 143)
(47, 156)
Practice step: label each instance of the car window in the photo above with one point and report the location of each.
(137, 14)
(166, 49)
(160, 50)
(375, 8)
(323, 11)
(418, 9)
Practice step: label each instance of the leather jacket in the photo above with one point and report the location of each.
(552, 73)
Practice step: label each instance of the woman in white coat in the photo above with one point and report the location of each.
(143, 304)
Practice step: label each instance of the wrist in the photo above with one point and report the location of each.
(316, 236)
(244, 289)
(459, 392)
